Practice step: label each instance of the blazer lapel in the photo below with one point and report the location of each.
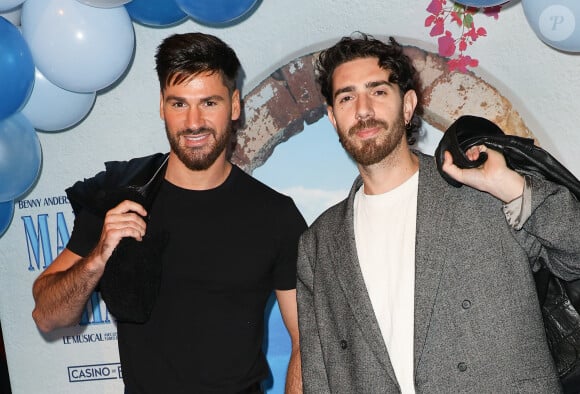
(429, 260)
(351, 281)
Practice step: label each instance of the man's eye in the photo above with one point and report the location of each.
(178, 104)
(380, 92)
(344, 99)
(211, 103)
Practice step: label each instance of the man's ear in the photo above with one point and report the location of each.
(161, 113)
(236, 105)
(409, 105)
(330, 113)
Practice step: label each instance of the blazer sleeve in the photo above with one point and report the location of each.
(314, 378)
(552, 232)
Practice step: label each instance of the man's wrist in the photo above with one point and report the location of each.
(512, 188)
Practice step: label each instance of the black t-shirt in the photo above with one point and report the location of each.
(228, 248)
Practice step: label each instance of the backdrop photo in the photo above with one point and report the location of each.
(79, 88)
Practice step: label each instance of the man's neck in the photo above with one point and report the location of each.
(391, 172)
(179, 175)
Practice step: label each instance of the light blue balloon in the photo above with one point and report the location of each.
(16, 70)
(555, 22)
(6, 214)
(216, 11)
(156, 13)
(104, 3)
(78, 47)
(20, 157)
(51, 108)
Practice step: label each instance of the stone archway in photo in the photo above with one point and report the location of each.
(279, 106)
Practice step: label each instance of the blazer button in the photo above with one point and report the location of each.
(466, 304)
(462, 367)
(343, 344)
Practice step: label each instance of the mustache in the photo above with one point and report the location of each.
(366, 124)
(200, 130)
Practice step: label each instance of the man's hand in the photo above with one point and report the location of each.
(124, 220)
(493, 177)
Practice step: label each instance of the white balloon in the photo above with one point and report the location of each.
(555, 22)
(8, 5)
(78, 47)
(51, 108)
(104, 3)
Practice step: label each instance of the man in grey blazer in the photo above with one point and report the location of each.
(411, 285)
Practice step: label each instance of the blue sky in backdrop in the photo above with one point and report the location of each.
(314, 170)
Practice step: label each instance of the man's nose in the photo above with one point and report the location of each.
(194, 118)
(364, 108)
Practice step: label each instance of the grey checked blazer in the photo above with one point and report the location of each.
(478, 327)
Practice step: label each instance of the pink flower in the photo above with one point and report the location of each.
(461, 63)
(492, 11)
(436, 6)
(446, 45)
(463, 18)
(438, 29)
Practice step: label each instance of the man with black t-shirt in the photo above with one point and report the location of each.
(203, 243)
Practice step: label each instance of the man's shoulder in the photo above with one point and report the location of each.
(332, 218)
(117, 174)
(263, 201)
(255, 186)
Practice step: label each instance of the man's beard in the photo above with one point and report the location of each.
(197, 159)
(368, 152)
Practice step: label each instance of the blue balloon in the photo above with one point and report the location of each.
(6, 214)
(555, 22)
(216, 11)
(156, 13)
(16, 69)
(20, 157)
(481, 3)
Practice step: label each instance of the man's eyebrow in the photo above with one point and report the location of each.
(374, 84)
(346, 89)
(215, 97)
(368, 85)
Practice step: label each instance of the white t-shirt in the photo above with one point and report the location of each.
(384, 227)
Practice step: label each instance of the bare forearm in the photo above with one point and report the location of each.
(61, 296)
(62, 291)
(294, 375)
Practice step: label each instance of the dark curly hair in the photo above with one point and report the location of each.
(390, 57)
(181, 56)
